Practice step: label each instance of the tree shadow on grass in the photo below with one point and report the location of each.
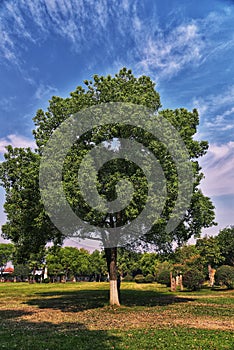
(150, 298)
(81, 300)
(71, 301)
(21, 334)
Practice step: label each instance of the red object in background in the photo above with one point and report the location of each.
(8, 270)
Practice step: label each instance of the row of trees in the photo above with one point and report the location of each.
(191, 261)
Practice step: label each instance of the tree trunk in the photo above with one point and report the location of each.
(111, 260)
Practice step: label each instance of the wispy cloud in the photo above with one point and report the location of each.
(77, 21)
(216, 111)
(218, 167)
(44, 90)
(161, 50)
(165, 51)
(6, 104)
(15, 141)
(168, 53)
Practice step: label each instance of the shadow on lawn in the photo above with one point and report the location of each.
(86, 299)
(16, 332)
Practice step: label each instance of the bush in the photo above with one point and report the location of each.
(164, 278)
(139, 279)
(149, 278)
(46, 280)
(128, 278)
(225, 276)
(193, 279)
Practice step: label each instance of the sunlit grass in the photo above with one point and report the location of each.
(77, 316)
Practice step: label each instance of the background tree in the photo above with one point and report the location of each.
(27, 224)
(225, 276)
(186, 258)
(123, 87)
(225, 240)
(162, 271)
(98, 268)
(35, 261)
(54, 263)
(128, 262)
(184, 253)
(21, 271)
(147, 263)
(75, 261)
(209, 251)
(68, 262)
(6, 254)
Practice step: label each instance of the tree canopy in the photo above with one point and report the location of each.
(29, 225)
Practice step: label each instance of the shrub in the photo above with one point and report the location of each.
(149, 278)
(225, 276)
(46, 280)
(193, 279)
(164, 278)
(139, 279)
(128, 278)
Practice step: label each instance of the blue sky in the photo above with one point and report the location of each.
(48, 47)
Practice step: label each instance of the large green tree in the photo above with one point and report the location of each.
(23, 190)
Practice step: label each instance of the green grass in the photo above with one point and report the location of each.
(77, 316)
(176, 338)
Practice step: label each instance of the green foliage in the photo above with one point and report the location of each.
(97, 265)
(187, 258)
(128, 278)
(193, 279)
(225, 276)
(21, 271)
(68, 261)
(184, 254)
(149, 278)
(161, 267)
(6, 253)
(147, 263)
(46, 280)
(209, 250)
(163, 277)
(139, 279)
(53, 261)
(128, 261)
(27, 224)
(36, 260)
(225, 240)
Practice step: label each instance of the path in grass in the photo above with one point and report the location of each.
(81, 309)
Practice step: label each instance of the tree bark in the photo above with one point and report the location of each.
(111, 260)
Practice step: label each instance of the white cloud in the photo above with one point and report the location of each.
(7, 46)
(75, 20)
(169, 53)
(215, 110)
(44, 90)
(160, 50)
(16, 141)
(165, 51)
(218, 167)
(6, 104)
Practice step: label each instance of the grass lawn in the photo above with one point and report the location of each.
(77, 316)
